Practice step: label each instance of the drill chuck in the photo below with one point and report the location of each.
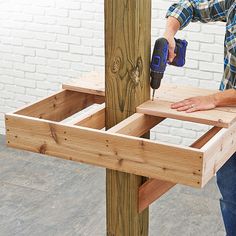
(156, 79)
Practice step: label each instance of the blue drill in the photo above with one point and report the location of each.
(160, 60)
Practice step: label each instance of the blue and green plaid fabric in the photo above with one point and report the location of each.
(210, 11)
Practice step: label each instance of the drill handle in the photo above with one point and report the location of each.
(180, 51)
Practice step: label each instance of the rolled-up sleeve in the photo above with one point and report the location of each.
(205, 11)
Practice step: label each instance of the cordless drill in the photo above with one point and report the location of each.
(160, 60)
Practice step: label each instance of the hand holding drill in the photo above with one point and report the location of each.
(160, 59)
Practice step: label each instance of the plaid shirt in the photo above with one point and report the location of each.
(208, 11)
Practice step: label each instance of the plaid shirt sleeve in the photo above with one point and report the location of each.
(197, 10)
(230, 36)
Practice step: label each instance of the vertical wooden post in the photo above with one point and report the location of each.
(127, 53)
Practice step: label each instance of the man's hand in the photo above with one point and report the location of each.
(172, 44)
(195, 104)
(172, 26)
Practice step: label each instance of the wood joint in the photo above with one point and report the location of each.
(153, 189)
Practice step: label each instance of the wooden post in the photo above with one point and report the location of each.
(127, 55)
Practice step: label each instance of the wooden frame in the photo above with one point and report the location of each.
(42, 132)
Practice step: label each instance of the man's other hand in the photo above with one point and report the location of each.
(193, 104)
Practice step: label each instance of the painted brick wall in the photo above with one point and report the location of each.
(46, 42)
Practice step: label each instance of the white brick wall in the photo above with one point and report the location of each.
(44, 43)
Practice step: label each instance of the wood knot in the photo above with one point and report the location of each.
(120, 161)
(136, 72)
(107, 143)
(43, 148)
(221, 147)
(142, 143)
(53, 133)
(135, 76)
(116, 64)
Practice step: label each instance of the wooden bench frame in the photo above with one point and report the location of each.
(39, 128)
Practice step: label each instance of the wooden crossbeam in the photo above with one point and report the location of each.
(136, 125)
(154, 188)
(151, 190)
(94, 118)
(60, 105)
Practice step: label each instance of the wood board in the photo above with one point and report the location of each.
(93, 83)
(147, 158)
(210, 117)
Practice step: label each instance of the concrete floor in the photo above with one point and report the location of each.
(49, 196)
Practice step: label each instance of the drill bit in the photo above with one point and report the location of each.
(153, 94)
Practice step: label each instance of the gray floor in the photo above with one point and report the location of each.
(49, 196)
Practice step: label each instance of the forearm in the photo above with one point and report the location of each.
(192, 10)
(225, 98)
(172, 26)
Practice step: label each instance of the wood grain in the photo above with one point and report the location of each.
(217, 151)
(136, 125)
(127, 57)
(92, 83)
(151, 190)
(211, 117)
(146, 157)
(174, 93)
(59, 106)
(94, 118)
(155, 188)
